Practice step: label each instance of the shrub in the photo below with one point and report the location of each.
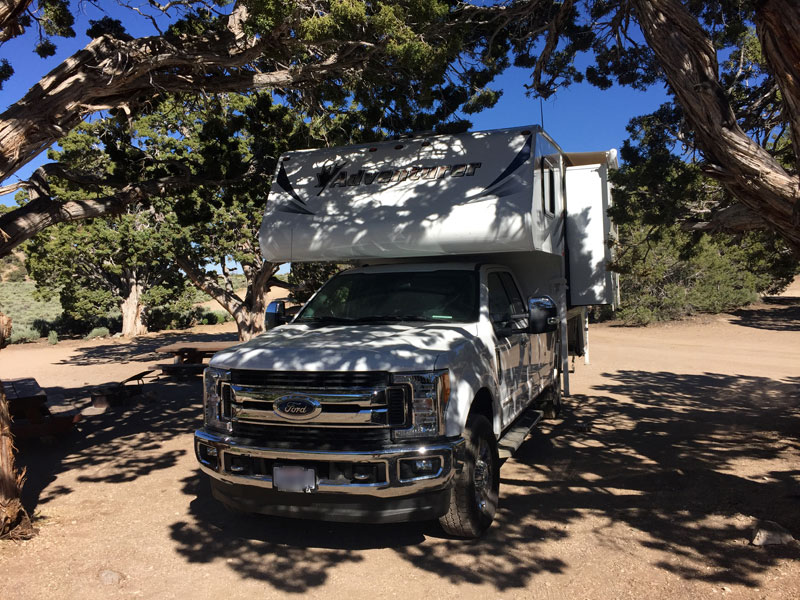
(97, 332)
(52, 338)
(22, 334)
(214, 317)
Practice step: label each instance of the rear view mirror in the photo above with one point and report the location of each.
(542, 314)
(276, 314)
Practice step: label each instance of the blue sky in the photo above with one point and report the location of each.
(580, 118)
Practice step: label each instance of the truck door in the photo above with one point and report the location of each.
(508, 316)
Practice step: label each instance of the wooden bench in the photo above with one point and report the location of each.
(181, 369)
(189, 356)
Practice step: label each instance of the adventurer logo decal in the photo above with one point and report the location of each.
(335, 176)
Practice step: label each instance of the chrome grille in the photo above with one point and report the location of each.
(310, 379)
(313, 438)
(344, 399)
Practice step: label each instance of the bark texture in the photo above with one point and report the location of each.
(110, 73)
(14, 521)
(132, 309)
(690, 63)
(778, 30)
(732, 219)
(10, 12)
(249, 312)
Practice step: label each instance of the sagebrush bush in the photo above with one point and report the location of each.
(97, 332)
(671, 274)
(22, 334)
(52, 338)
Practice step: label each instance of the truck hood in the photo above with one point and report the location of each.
(391, 347)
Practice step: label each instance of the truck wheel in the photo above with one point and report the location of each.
(473, 500)
(552, 405)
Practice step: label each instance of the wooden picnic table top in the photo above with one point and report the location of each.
(23, 389)
(195, 347)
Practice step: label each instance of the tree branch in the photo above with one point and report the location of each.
(42, 211)
(689, 61)
(732, 219)
(10, 12)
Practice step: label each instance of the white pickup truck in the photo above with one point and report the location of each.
(397, 390)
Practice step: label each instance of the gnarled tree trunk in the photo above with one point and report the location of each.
(132, 308)
(14, 521)
(247, 313)
(689, 61)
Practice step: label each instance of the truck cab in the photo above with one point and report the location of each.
(362, 407)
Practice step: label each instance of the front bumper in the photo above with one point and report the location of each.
(391, 496)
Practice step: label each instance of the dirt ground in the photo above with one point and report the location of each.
(675, 441)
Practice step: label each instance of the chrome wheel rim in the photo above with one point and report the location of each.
(483, 477)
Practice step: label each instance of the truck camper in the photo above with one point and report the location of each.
(400, 386)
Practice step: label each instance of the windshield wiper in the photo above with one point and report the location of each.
(380, 318)
(325, 320)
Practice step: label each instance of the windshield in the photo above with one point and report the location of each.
(445, 296)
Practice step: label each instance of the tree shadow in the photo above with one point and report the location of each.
(685, 461)
(301, 553)
(117, 446)
(139, 349)
(781, 313)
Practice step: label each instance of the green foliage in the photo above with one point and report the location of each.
(214, 317)
(667, 272)
(309, 277)
(658, 284)
(107, 26)
(6, 71)
(52, 338)
(17, 300)
(95, 265)
(56, 18)
(22, 334)
(97, 332)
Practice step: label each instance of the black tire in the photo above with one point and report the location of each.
(473, 500)
(552, 405)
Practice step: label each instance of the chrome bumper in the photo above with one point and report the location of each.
(392, 486)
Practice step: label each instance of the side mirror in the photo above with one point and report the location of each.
(276, 314)
(542, 314)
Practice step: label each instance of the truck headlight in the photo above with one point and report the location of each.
(217, 398)
(430, 392)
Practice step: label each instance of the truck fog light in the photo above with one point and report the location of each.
(416, 468)
(424, 465)
(208, 455)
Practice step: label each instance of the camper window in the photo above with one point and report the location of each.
(548, 187)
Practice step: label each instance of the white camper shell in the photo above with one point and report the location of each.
(506, 196)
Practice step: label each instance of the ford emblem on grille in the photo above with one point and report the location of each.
(295, 407)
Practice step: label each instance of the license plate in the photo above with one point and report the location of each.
(294, 479)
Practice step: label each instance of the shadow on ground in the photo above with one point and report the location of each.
(140, 349)
(115, 447)
(652, 452)
(688, 461)
(662, 467)
(781, 313)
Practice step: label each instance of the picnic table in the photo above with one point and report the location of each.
(188, 357)
(31, 417)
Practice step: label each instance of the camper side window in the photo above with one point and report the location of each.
(549, 185)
